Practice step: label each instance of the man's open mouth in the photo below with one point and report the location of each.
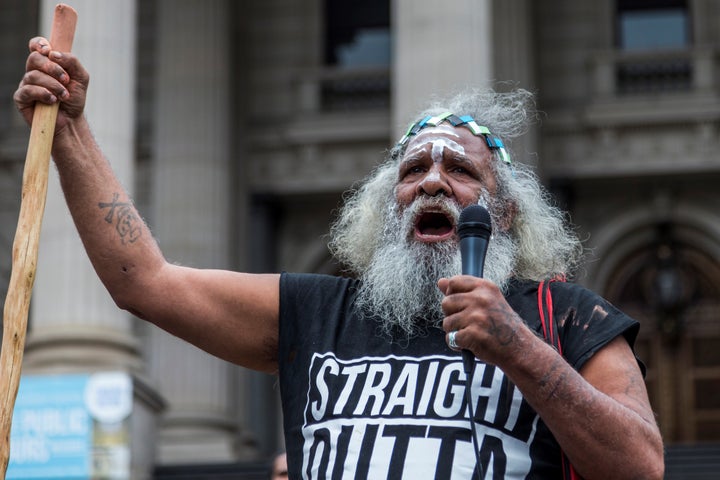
(433, 226)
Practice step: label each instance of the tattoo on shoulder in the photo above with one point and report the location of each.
(126, 221)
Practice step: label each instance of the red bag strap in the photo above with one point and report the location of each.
(550, 332)
(545, 308)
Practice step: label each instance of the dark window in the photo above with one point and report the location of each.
(357, 33)
(655, 34)
(652, 24)
(357, 52)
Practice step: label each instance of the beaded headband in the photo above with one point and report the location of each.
(493, 142)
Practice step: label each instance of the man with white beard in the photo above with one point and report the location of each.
(371, 375)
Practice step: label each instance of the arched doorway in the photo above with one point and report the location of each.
(671, 284)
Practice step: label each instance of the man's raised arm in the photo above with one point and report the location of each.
(228, 314)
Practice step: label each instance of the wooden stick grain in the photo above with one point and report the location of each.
(27, 239)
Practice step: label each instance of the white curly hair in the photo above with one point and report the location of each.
(546, 244)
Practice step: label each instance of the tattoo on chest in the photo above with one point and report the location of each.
(122, 214)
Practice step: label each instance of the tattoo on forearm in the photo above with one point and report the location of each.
(507, 332)
(122, 214)
(552, 379)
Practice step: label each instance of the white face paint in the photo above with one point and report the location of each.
(438, 143)
(445, 128)
(437, 139)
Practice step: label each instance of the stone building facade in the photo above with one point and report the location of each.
(238, 126)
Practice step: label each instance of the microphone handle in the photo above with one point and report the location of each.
(472, 254)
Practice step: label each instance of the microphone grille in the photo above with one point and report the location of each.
(474, 221)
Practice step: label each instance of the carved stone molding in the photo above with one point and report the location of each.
(646, 150)
(323, 153)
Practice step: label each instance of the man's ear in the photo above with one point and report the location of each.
(509, 214)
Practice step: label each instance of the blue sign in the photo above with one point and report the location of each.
(51, 435)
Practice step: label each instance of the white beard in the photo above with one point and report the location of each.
(400, 285)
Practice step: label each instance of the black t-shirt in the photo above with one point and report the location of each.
(357, 404)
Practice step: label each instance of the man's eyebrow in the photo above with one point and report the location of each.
(465, 162)
(462, 158)
(456, 159)
(413, 157)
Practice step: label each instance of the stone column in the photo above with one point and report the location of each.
(190, 216)
(444, 47)
(440, 47)
(514, 62)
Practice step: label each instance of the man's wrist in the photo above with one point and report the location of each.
(73, 135)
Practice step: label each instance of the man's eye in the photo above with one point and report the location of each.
(412, 170)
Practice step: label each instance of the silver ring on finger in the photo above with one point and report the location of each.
(451, 340)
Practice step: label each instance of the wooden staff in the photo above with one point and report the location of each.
(27, 238)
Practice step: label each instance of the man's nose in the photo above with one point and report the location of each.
(435, 183)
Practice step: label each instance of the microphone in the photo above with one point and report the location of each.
(474, 229)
